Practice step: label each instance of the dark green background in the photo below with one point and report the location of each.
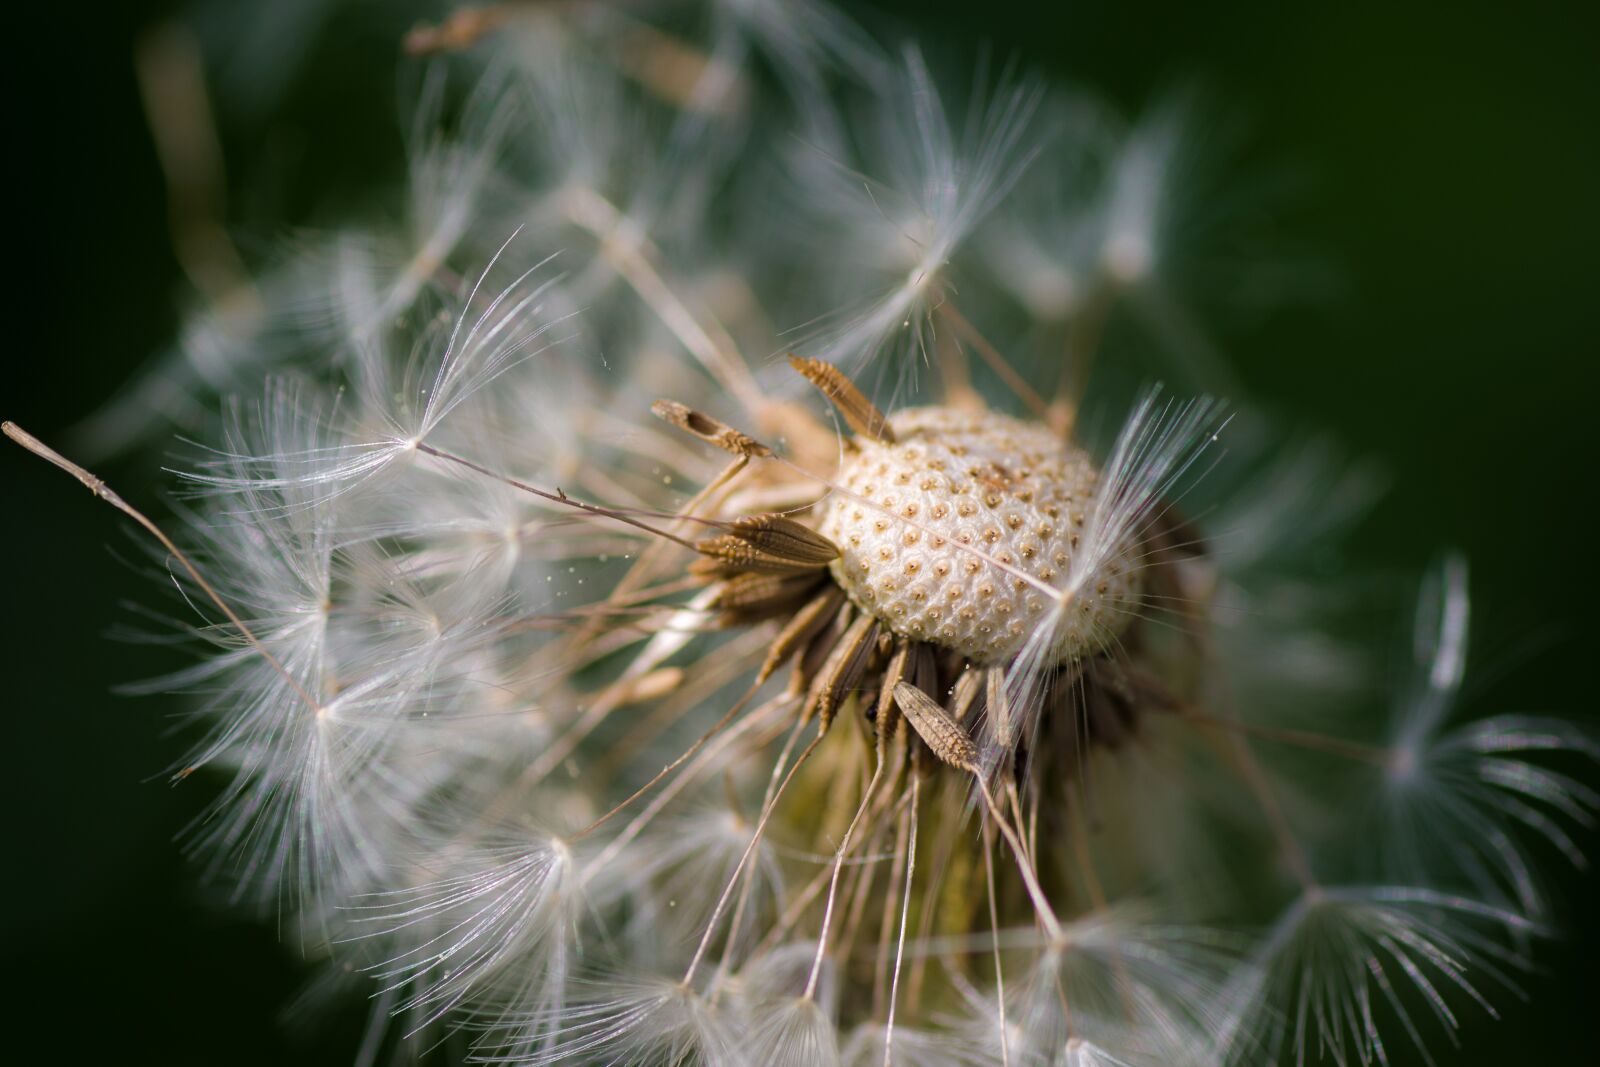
(1450, 165)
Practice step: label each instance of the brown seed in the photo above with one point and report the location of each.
(999, 706)
(859, 412)
(816, 651)
(780, 536)
(942, 734)
(800, 629)
(733, 554)
(756, 596)
(708, 429)
(964, 694)
(886, 716)
(923, 671)
(843, 669)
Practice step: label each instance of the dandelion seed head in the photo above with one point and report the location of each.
(752, 735)
(959, 531)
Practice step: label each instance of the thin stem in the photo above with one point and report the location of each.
(654, 808)
(1080, 843)
(905, 909)
(1097, 895)
(629, 250)
(955, 376)
(639, 572)
(1082, 341)
(833, 885)
(1300, 738)
(864, 878)
(932, 893)
(880, 980)
(557, 497)
(172, 87)
(1256, 778)
(105, 492)
(994, 928)
(1041, 903)
(684, 757)
(801, 901)
(755, 839)
(991, 355)
(619, 754)
(1015, 803)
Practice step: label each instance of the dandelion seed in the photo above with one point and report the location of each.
(1455, 800)
(1336, 948)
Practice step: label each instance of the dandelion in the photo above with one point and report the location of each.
(600, 690)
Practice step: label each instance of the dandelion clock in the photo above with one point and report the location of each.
(739, 537)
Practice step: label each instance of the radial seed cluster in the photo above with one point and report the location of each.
(833, 717)
(961, 530)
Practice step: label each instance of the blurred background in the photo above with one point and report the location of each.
(1443, 160)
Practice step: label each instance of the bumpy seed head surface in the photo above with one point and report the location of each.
(956, 481)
